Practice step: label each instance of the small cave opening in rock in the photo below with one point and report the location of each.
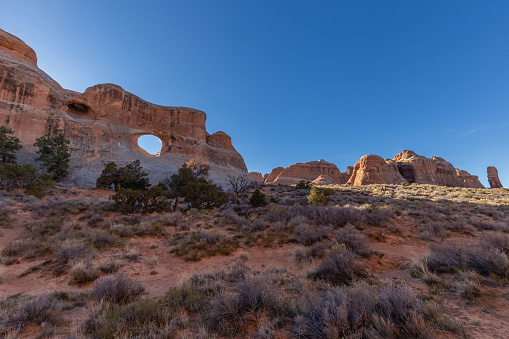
(150, 144)
(76, 107)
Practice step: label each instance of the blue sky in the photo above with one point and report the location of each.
(293, 80)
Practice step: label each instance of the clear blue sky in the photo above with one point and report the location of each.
(294, 81)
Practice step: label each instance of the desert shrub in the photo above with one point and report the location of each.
(258, 199)
(363, 311)
(308, 234)
(172, 219)
(303, 185)
(353, 239)
(470, 285)
(252, 294)
(320, 196)
(95, 219)
(258, 225)
(315, 251)
(147, 318)
(39, 186)
(339, 267)
(117, 289)
(195, 245)
(42, 309)
(495, 240)
(419, 269)
(101, 239)
(70, 250)
(204, 195)
(25, 176)
(192, 295)
(234, 218)
(128, 200)
(109, 267)
(451, 257)
(29, 248)
(82, 272)
(379, 216)
(330, 215)
(46, 228)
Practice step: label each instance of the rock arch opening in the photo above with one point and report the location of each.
(150, 144)
(79, 108)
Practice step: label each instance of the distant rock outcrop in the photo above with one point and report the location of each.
(373, 169)
(309, 171)
(104, 123)
(410, 167)
(273, 174)
(256, 176)
(493, 178)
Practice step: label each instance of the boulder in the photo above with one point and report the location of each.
(104, 123)
(493, 178)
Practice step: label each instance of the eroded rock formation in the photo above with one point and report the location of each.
(309, 171)
(257, 176)
(493, 178)
(373, 169)
(410, 167)
(273, 174)
(104, 122)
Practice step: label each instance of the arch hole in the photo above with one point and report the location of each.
(150, 144)
(76, 107)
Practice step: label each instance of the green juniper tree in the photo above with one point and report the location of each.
(54, 153)
(9, 144)
(130, 176)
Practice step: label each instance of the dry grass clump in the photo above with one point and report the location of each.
(82, 272)
(117, 289)
(143, 319)
(192, 246)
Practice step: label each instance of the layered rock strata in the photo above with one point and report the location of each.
(104, 123)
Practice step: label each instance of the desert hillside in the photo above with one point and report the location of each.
(376, 261)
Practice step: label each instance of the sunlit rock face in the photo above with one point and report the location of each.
(493, 178)
(104, 123)
(320, 172)
(373, 169)
(410, 167)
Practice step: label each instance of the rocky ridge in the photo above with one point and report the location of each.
(406, 166)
